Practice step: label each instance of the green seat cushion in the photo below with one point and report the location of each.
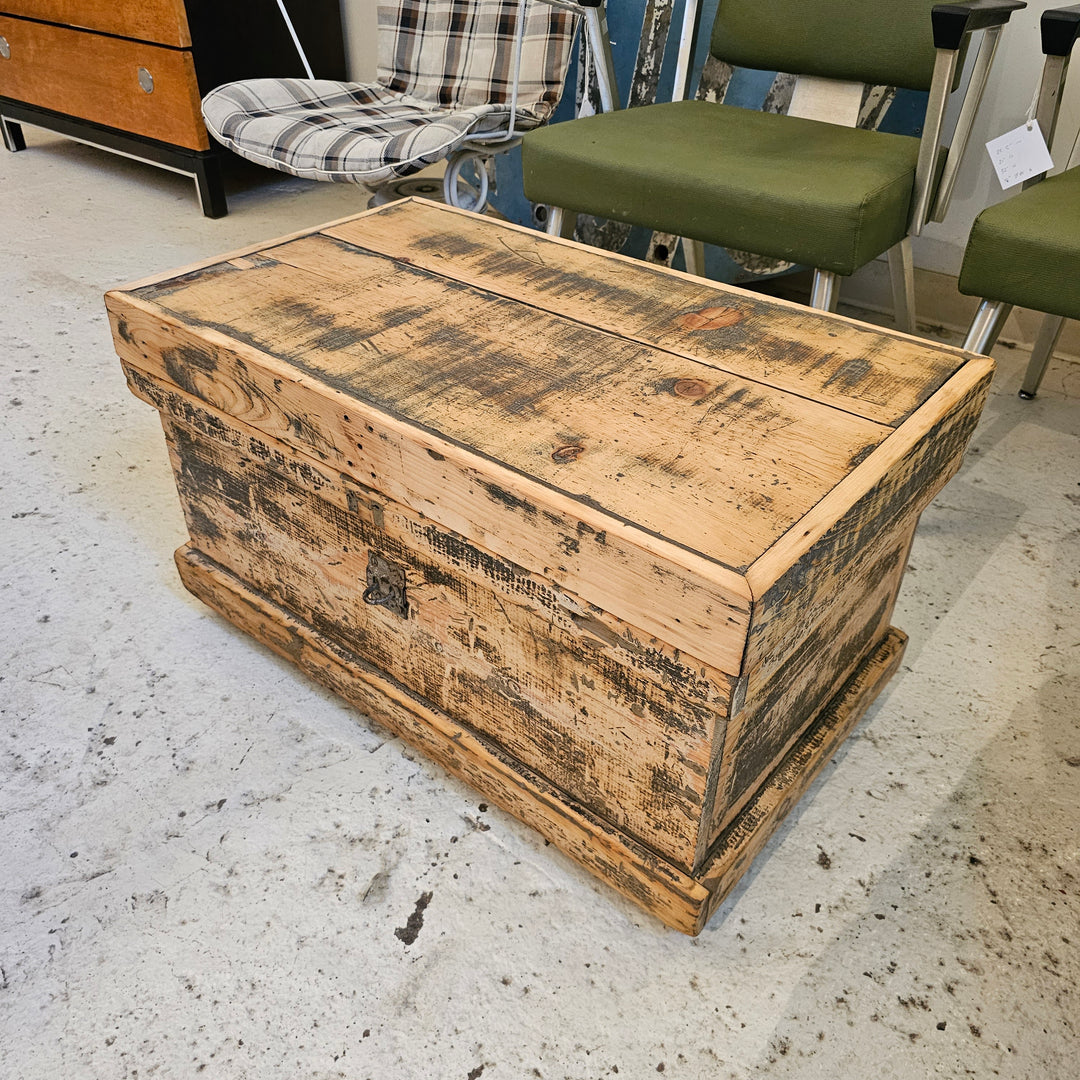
(1026, 250)
(818, 194)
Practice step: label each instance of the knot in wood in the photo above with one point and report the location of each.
(691, 388)
(567, 453)
(710, 318)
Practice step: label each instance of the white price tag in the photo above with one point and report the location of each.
(1020, 154)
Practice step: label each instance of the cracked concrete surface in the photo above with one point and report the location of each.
(213, 867)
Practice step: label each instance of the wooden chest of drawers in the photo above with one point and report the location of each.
(618, 546)
(130, 75)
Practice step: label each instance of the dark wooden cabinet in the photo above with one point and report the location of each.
(129, 75)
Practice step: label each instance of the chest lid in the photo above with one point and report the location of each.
(657, 445)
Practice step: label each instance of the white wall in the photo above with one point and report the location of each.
(358, 23)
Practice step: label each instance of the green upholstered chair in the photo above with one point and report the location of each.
(1026, 251)
(798, 187)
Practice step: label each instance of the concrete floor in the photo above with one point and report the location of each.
(206, 857)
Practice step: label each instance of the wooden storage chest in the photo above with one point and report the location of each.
(617, 545)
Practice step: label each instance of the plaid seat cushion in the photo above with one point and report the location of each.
(445, 74)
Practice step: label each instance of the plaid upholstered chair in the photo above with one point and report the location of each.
(1026, 250)
(457, 80)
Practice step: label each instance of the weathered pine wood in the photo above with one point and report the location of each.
(883, 376)
(689, 601)
(648, 880)
(490, 644)
(650, 532)
(649, 656)
(161, 21)
(548, 396)
(48, 68)
(825, 594)
(830, 640)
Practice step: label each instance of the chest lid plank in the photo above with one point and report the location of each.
(642, 438)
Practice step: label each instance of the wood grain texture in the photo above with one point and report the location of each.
(690, 602)
(649, 532)
(830, 635)
(873, 373)
(50, 67)
(649, 881)
(825, 595)
(595, 710)
(580, 410)
(161, 21)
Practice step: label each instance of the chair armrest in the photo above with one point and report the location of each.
(1060, 28)
(952, 22)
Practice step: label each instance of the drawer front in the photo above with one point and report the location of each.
(160, 21)
(97, 78)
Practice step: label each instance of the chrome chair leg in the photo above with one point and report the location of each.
(560, 222)
(825, 291)
(902, 275)
(1045, 342)
(694, 256)
(986, 326)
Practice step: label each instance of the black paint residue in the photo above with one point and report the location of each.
(408, 933)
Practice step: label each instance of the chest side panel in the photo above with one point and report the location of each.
(622, 724)
(826, 597)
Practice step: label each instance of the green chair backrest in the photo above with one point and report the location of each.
(882, 42)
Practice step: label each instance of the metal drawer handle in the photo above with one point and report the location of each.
(146, 80)
(5, 48)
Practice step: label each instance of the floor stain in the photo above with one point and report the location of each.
(408, 933)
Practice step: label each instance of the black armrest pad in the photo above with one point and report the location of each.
(953, 21)
(1060, 28)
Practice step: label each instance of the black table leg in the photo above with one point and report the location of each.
(211, 186)
(13, 134)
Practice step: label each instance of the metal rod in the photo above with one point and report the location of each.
(1043, 349)
(902, 275)
(825, 291)
(296, 40)
(554, 224)
(684, 63)
(600, 49)
(694, 256)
